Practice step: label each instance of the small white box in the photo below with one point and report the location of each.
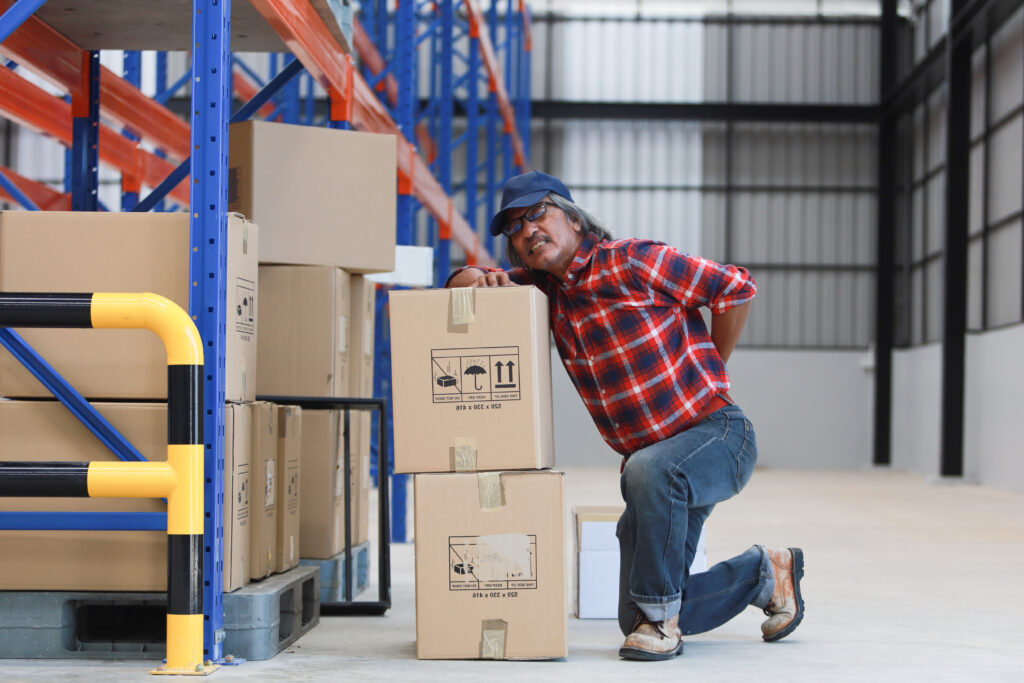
(597, 562)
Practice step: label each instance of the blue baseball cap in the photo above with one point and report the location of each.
(526, 190)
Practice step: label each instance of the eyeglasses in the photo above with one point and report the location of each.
(533, 215)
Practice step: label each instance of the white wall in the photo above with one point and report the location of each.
(994, 401)
(916, 407)
(810, 409)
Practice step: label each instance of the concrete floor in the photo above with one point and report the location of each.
(906, 580)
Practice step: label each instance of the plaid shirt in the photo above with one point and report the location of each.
(629, 332)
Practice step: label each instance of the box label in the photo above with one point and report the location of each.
(245, 306)
(475, 375)
(496, 564)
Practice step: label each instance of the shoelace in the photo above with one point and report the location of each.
(639, 619)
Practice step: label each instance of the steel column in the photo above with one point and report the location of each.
(85, 136)
(211, 98)
(958, 146)
(885, 287)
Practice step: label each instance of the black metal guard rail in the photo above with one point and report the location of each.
(350, 607)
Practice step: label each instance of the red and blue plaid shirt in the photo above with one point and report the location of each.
(629, 332)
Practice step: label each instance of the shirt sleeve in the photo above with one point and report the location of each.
(518, 275)
(691, 280)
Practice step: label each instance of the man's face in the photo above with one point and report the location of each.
(548, 243)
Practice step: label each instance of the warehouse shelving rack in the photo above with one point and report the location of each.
(194, 173)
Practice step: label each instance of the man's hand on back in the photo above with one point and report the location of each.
(474, 277)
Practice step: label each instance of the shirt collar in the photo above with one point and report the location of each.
(583, 255)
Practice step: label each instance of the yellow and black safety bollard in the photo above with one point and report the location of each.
(179, 479)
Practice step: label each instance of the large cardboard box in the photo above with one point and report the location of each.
(237, 499)
(58, 251)
(263, 499)
(304, 322)
(321, 196)
(490, 566)
(322, 508)
(289, 463)
(84, 560)
(471, 379)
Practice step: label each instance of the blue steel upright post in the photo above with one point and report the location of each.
(211, 99)
(405, 74)
(446, 97)
(85, 137)
(491, 155)
(509, 44)
(472, 127)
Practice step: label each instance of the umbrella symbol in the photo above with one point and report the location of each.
(476, 371)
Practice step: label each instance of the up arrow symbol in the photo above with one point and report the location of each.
(498, 366)
(510, 366)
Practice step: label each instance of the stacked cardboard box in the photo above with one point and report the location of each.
(472, 416)
(116, 252)
(325, 200)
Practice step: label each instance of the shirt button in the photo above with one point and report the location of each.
(569, 276)
(615, 424)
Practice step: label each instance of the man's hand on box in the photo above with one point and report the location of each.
(474, 277)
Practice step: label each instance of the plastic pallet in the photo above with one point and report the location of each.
(332, 573)
(82, 625)
(263, 618)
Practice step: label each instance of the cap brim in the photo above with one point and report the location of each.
(529, 199)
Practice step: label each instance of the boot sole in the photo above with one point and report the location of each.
(798, 573)
(636, 653)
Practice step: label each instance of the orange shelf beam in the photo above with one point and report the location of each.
(306, 35)
(478, 29)
(40, 48)
(33, 107)
(42, 195)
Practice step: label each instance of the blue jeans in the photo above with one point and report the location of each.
(670, 488)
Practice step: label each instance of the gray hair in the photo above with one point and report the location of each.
(588, 222)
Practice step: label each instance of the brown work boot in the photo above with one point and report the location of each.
(653, 640)
(786, 608)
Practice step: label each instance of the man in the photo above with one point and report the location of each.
(625, 318)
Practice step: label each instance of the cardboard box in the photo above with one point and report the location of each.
(361, 347)
(322, 509)
(597, 561)
(322, 196)
(263, 498)
(83, 560)
(490, 566)
(471, 379)
(304, 322)
(59, 251)
(289, 456)
(237, 498)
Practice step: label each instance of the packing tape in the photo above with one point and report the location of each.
(492, 493)
(462, 306)
(493, 633)
(463, 454)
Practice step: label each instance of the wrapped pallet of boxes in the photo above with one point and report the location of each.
(78, 251)
(472, 417)
(82, 560)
